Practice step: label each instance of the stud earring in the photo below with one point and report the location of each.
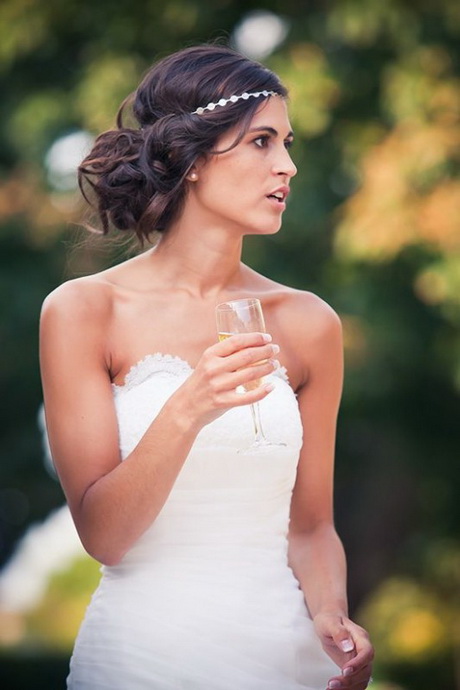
(193, 177)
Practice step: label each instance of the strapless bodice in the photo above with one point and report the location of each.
(223, 497)
(152, 381)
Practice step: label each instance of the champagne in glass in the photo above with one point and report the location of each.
(245, 316)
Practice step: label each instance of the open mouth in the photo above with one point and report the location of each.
(277, 196)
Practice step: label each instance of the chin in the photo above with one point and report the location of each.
(271, 227)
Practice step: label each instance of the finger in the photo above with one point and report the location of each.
(234, 399)
(214, 367)
(353, 678)
(351, 681)
(237, 342)
(364, 651)
(362, 659)
(249, 356)
(358, 681)
(248, 376)
(355, 675)
(342, 638)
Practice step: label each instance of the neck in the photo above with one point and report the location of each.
(204, 261)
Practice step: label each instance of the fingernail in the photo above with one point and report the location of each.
(276, 349)
(269, 387)
(347, 645)
(267, 337)
(275, 364)
(348, 671)
(333, 684)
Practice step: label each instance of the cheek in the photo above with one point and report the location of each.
(227, 180)
(222, 188)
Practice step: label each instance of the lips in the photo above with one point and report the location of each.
(279, 194)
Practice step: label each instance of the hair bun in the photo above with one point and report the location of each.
(113, 172)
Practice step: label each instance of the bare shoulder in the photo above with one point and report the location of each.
(74, 325)
(311, 317)
(82, 299)
(75, 322)
(299, 312)
(308, 330)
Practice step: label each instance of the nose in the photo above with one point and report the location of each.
(284, 165)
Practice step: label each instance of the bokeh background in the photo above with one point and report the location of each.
(373, 226)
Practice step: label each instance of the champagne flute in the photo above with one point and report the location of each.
(245, 316)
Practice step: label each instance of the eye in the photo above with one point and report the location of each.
(289, 143)
(262, 141)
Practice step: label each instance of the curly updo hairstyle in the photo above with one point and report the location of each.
(138, 175)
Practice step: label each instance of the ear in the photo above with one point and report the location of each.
(192, 175)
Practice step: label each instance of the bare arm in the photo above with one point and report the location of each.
(315, 550)
(113, 502)
(316, 553)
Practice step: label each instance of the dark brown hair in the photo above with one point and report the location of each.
(138, 175)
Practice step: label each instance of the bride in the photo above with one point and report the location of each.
(221, 569)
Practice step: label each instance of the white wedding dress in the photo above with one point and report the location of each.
(205, 599)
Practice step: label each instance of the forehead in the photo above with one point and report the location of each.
(273, 113)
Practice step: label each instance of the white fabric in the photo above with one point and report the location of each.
(205, 600)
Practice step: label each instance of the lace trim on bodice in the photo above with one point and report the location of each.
(165, 363)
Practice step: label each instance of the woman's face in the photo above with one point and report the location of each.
(246, 187)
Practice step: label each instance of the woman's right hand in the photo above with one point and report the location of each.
(239, 360)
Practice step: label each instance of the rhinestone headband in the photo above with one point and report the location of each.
(234, 99)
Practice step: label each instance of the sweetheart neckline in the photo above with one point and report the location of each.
(156, 357)
(175, 361)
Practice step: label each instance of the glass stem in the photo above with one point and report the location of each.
(258, 431)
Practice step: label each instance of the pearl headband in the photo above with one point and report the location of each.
(234, 99)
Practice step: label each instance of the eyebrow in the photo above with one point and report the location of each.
(271, 130)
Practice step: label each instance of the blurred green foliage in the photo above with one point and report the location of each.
(373, 227)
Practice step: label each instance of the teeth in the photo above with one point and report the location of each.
(278, 195)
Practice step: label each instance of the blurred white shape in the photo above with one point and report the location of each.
(64, 157)
(259, 33)
(46, 548)
(47, 459)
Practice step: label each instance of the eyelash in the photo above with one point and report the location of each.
(265, 139)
